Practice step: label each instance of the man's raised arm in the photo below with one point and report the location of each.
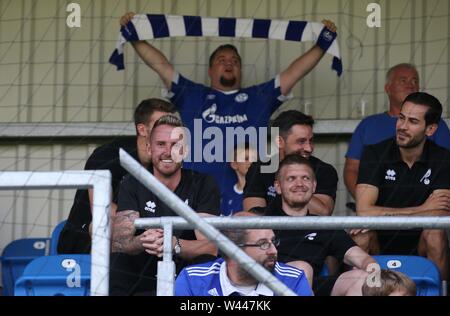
(153, 57)
(303, 64)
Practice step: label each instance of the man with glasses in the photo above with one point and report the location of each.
(225, 277)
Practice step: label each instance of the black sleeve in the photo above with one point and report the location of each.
(107, 158)
(254, 184)
(127, 195)
(327, 180)
(208, 196)
(369, 167)
(341, 242)
(75, 237)
(100, 158)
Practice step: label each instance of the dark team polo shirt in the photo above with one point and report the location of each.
(311, 246)
(74, 237)
(400, 186)
(258, 184)
(133, 274)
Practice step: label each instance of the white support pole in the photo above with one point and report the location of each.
(101, 233)
(166, 267)
(178, 206)
(100, 181)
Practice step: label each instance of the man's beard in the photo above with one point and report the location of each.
(269, 267)
(413, 142)
(297, 203)
(227, 82)
(165, 172)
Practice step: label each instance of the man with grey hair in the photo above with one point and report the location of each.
(401, 80)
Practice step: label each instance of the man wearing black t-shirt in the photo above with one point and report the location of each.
(296, 182)
(407, 176)
(76, 236)
(295, 136)
(135, 253)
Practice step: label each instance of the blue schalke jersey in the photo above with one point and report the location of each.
(208, 113)
(204, 280)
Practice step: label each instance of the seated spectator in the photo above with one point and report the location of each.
(295, 137)
(243, 156)
(391, 283)
(296, 182)
(407, 176)
(135, 253)
(76, 234)
(401, 80)
(225, 277)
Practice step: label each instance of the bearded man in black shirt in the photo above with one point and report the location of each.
(76, 234)
(295, 183)
(295, 137)
(135, 253)
(407, 175)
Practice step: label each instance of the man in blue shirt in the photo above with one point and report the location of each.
(401, 80)
(225, 277)
(211, 110)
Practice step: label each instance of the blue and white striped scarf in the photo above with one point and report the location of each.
(153, 26)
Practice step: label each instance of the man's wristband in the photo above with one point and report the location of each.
(326, 38)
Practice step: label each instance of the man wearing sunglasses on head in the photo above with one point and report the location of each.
(225, 277)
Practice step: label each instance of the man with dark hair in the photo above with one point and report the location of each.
(295, 137)
(135, 254)
(224, 47)
(401, 80)
(225, 104)
(408, 175)
(76, 236)
(225, 276)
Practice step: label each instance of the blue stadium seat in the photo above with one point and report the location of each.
(421, 270)
(60, 275)
(16, 256)
(55, 237)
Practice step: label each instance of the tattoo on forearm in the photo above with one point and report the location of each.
(123, 239)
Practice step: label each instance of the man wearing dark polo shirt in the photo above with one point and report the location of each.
(295, 136)
(135, 254)
(76, 234)
(407, 176)
(296, 182)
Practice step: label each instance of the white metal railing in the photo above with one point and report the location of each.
(305, 222)
(100, 182)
